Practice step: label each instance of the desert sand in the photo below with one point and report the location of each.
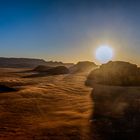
(81, 104)
(44, 108)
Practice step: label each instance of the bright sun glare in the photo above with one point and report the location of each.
(104, 53)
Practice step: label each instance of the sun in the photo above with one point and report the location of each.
(104, 53)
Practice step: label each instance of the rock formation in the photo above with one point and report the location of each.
(83, 66)
(116, 73)
(116, 101)
(41, 68)
(57, 70)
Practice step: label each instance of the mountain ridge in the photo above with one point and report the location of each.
(13, 62)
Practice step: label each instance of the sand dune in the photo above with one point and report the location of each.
(54, 107)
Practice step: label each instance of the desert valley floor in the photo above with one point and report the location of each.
(44, 108)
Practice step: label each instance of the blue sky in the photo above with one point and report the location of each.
(69, 30)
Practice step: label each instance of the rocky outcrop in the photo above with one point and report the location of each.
(47, 71)
(116, 73)
(116, 101)
(57, 70)
(83, 66)
(41, 68)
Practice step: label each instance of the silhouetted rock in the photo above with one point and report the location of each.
(83, 66)
(50, 71)
(4, 88)
(57, 70)
(116, 106)
(41, 68)
(116, 113)
(116, 73)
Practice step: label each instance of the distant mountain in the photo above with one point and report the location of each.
(28, 63)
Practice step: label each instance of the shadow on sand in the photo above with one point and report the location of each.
(111, 123)
(4, 88)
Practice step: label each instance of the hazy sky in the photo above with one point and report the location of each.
(69, 30)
